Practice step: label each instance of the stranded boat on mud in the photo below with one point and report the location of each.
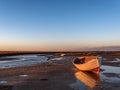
(88, 63)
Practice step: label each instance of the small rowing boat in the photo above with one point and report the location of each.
(88, 63)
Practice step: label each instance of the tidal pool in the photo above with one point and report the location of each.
(21, 60)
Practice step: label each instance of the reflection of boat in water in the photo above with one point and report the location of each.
(88, 63)
(89, 79)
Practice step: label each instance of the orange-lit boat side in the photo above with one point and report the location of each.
(88, 63)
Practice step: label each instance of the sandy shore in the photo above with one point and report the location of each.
(55, 75)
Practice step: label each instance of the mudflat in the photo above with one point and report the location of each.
(61, 75)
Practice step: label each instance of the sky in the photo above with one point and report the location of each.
(58, 25)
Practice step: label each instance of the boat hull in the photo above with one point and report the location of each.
(90, 64)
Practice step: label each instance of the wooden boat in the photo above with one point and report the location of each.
(88, 63)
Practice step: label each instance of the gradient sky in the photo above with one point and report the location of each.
(50, 25)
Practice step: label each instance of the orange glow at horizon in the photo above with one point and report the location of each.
(51, 46)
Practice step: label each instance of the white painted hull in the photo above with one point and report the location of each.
(91, 63)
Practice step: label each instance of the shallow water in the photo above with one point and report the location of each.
(85, 80)
(58, 58)
(88, 81)
(22, 60)
(110, 74)
(116, 60)
(23, 75)
(3, 81)
(78, 85)
(110, 69)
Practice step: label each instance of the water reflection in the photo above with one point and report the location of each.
(89, 79)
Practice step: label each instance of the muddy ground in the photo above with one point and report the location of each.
(61, 75)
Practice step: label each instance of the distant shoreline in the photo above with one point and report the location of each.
(77, 53)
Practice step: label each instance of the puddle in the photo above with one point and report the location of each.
(110, 74)
(109, 79)
(89, 81)
(59, 58)
(114, 61)
(22, 60)
(78, 85)
(104, 59)
(24, 75)
(3, 81)
(110, 69)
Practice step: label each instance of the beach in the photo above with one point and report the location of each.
(58, 73)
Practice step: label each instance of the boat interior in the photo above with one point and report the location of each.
(81, 60)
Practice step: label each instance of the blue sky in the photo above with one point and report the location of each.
(50, 25)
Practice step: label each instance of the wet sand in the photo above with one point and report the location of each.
(60, 75)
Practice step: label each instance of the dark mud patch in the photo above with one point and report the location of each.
(6, 87)
(43, 79)
(9, 59)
